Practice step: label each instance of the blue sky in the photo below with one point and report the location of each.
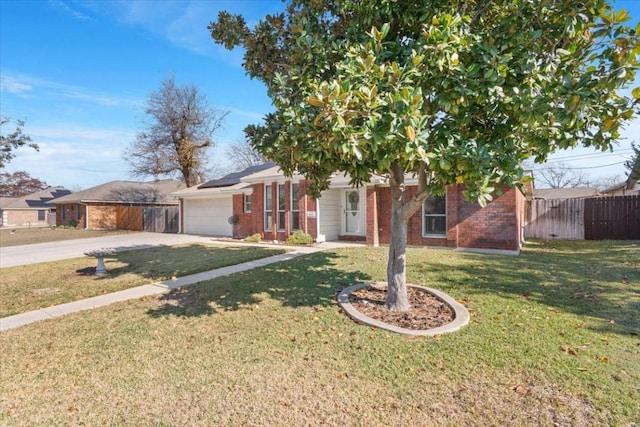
(78, 73)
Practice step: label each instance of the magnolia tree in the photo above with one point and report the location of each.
(450, 91)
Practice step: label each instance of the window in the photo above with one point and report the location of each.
(268, 214)
(435, 216)
(41, 215)
(64, 212)
(78, 212)
(247, 203)
(281, 207)
(295, 206)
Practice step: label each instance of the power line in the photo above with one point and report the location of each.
(589, 167)
(580, 156)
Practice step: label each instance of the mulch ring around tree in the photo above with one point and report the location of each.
(431, 312)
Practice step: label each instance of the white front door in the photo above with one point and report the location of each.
(353, 212)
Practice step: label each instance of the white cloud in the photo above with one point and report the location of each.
(64, 7)
(12, 85)
(17, 83)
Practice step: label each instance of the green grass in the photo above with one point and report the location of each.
(29, 236)
(553, 340)
(42, 285)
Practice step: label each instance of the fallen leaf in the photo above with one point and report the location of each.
(520, 389)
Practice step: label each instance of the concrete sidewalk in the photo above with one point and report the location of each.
(15, 321)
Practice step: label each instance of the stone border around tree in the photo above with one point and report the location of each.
(461, 313)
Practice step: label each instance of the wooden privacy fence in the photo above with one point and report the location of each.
(161, 219)
(156, 219)
(598, 218)
(616, 218)
(556, 219)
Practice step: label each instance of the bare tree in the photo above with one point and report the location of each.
(604, 182)
(12, 141)
(242, 155)
(179, 131)
(560, 176)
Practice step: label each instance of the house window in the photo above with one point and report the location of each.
(435, 217)
(41, 215)
(268, 214)
(247, 203)
(281, 207)
(295, 206)
(78, 212)
(64, 211)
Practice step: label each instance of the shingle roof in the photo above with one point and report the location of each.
(41, 200)
(564, 193)
(6, 201)
(234, 177)
(127, 192)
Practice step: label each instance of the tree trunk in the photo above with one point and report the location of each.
(397, 299)
(401, 211)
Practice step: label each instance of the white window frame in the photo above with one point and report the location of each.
(268, 208)
(424, 220)
(295, 204)
(281, 196)
(246, 205)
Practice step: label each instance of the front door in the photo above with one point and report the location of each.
(353, 212)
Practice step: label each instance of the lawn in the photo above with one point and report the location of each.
(28, 236)
(42, 285)
(553, 340)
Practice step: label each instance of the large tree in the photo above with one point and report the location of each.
(560, 175)
(12, 141)
(19, 183)
(177, 135)
(242, 155)
(451, 91)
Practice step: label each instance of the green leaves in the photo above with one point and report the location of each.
(468, 94)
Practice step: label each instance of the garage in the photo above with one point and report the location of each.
(208, 216)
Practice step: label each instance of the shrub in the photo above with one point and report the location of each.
(300, 238)
(254, 238)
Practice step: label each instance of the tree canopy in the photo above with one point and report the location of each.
(179, 131)
(12, 141)
(19, 183)
(452, 91)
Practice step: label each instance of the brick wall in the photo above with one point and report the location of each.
(102, 217)
(497, 226)
(68, 214)
(24, 217)
(253, 222)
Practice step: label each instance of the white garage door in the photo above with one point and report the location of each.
(209, 217)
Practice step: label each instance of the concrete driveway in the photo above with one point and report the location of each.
(42, 252)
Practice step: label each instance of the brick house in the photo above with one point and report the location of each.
(125, 205)
(262, 200)
(33, 210)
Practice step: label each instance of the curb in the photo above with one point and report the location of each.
(461, 313)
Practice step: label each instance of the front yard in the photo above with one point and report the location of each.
(30, 287)
(554, 339)
(10, 236)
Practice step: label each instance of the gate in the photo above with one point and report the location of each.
(160, 219)
(616, 218)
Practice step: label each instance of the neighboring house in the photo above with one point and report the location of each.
(33, 210)
(262, 200)
(5, 201)
(125, 205)
(631, 187)
(564, 193)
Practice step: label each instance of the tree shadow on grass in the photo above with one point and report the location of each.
(309, 280)
(166, 262)
(594, 279)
